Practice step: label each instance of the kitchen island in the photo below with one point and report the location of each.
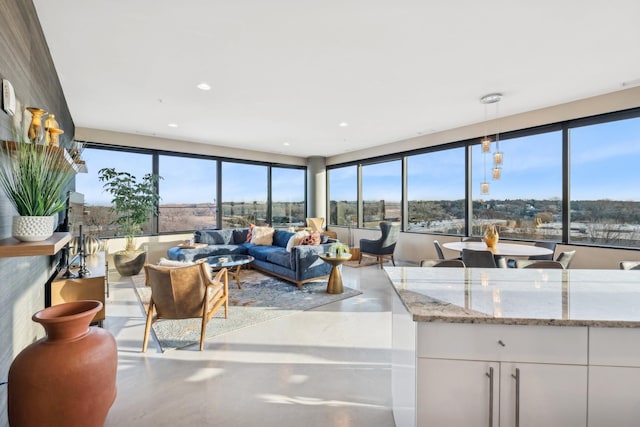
(515, 347)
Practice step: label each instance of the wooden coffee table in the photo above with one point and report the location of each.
(230, 261)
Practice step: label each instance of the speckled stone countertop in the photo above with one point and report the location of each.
(514, 296)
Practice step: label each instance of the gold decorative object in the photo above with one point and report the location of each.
(36, 132)
(491, 236)
(50, 123)
(53, 135)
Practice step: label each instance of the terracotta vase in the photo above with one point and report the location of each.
(67, 378)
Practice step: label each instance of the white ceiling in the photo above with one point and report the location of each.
(289, 71)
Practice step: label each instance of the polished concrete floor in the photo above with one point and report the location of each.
(324, 367)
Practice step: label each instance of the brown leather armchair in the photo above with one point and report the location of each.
(184, 293)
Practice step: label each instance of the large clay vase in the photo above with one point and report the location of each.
(491, 237)
(67, 378)
(129, 263)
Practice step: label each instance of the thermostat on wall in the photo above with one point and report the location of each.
(8, 97)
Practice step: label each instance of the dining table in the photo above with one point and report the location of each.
(500, 249)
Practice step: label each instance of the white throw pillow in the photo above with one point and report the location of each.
(262, 236)
(296, 239)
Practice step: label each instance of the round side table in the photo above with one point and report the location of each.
(335, 278)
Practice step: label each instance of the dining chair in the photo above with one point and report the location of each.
(383, 246)
(565, 258)
(441, 263)
(542, 264)
(511, 263)
(629, 265)
(439, 251)
(473, 258)
(185, 293)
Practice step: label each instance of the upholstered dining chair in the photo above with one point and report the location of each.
(441, 263)
(565, 258)
(385, 245)
(511, 263)
(439, 251)
(542, 264)
(629, 265)
(473, 258)
(185, 293)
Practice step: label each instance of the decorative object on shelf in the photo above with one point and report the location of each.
(54, 136)
(67, 378)
(491, 236)
(134, 201)
(92, 245)
(36, 130)
(496, 171)
(51, 130)
(34, 178)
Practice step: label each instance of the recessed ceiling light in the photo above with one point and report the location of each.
(286, 144)
(172, 125)
(343, 124)
(204, 86)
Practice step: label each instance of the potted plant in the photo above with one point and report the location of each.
(35, 178)
(340, 249)
(134, 201)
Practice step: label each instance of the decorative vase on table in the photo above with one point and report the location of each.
(491, 236)
(67, 378)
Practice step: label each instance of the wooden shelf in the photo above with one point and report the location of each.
(77, 166)
(11, 247)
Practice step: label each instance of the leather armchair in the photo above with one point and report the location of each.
(184, 293)
(385, 245)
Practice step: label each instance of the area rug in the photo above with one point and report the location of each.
(261, 298)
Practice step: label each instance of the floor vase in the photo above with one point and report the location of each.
(67, 378)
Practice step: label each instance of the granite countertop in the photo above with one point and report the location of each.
(513, 296)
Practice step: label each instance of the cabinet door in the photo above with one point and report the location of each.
(613, 396)
(543, 395)
(457, 393)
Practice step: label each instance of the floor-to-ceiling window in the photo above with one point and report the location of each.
(605, 183)
(244, 194)
(526, 201)
(187, 193)
(436, 191)
(343, 200)
(287, 197)
(99, 217)
(381, 193)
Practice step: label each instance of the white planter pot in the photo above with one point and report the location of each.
(33, 228)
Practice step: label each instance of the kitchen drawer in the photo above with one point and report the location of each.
(614, 347)
(512, 343)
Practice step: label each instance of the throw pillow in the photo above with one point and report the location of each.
(296, 239)
(262, 236)
(249, 233)
(312, 239)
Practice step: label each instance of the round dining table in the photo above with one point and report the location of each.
(500, 249)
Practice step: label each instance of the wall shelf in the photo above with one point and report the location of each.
(78, 166)
(11, 247)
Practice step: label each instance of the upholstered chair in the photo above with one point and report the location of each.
(541, 264)
(315, 224)
(442, 263)
(185, 293)
(385, 245)
(473, 258)
(629, 265)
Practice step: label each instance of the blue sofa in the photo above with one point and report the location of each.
(299, 266)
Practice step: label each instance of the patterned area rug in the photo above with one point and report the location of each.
(261, 298)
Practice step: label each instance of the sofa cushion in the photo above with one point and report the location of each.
(261, 252)
(280, 257)
(312, 239)
(240, 235)
(214, 237)
(262, 236)
(281, 238)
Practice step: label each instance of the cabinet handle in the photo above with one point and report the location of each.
(517, 378)
(490, 376)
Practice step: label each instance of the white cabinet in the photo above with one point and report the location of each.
(614, 377)
(497, 375)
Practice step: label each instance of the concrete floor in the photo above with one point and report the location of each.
(324, 367)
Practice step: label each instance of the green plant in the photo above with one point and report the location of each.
(35, 177)
(134, 201)
(339, 248)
